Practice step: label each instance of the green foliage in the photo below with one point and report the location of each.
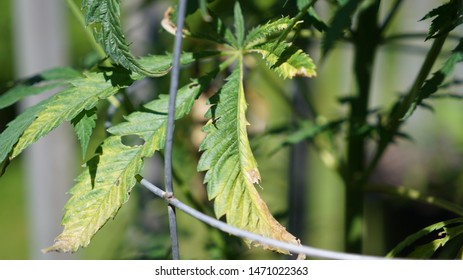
(432, 85)
(104, 16)
(108, 178)
(286, 60)
(426, 242)
(230, 168)
(45, 81)
(445, 18)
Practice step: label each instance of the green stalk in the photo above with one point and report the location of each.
(366, 40)
(396, 117)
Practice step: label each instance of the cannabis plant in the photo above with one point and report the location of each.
(231, 174)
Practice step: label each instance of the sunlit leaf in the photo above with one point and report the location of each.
(84, 93)
(232, 173)
(286, 60)
(263, 33)
(105, 184)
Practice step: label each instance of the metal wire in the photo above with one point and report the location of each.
(170, 125)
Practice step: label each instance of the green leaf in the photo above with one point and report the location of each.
(286, 60)
(13, 131)
(84, 123)
(84, 94)
(433, 84)
(424, 243)
(104, 16)
(339, 23)
(65, 106)
(38, 84)
(239, 25)
(231, 167)
(445, 18)
(263, 33)
(40, 119)
(105, 184)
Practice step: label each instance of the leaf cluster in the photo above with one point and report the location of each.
(108, 177)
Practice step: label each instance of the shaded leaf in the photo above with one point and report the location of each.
(424, 243)
(105, 184)
(104, 16)
(445, 18)
(313, 18)
(341, 21)
(432, 85)
(286, 60)
(14, 130)
(38, 84)
(231, 167)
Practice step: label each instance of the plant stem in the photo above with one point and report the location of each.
(170, 125)
(396, 117)
(366, 40)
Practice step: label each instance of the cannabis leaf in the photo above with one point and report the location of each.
(108, 178)
(286, 60)
(432, 84)
(40, 119)
(38, 84)
(104, 16)
(84, 93)
(445, 18)
(425, 243)
(263, 33)
(231, 168)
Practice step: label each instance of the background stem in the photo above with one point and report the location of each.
(366, 40)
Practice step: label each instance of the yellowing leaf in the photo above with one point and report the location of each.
(286, 60)
(105, 184)
(231, 168)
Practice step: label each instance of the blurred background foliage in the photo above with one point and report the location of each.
(299, 184)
